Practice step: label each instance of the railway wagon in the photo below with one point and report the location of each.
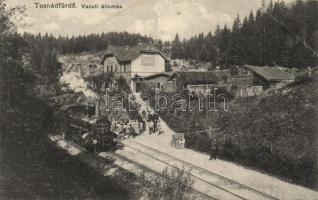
(80, 124)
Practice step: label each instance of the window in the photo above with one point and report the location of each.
(159, 85)
(125, 68)
(111, 68)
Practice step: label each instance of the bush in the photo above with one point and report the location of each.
(123, 85)
(301, 78)
(171, 184)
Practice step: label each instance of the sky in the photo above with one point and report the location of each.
(161, 19)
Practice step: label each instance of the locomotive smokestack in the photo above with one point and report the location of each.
(96, 109)
(96, 104)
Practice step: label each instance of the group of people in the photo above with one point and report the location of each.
(154, 123)
(124, 128)
(127, 129)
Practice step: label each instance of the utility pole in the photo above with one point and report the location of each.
(210, 131)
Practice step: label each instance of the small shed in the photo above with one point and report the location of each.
(178, 140)
(267, 76)
(155, 81)
(192, 79)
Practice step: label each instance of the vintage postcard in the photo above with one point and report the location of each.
(159, 99)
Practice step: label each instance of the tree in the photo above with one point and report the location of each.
(123, 85)
(43, 56)
(13, 76)
(176, 48)
(274, 35)
(214, 56)
(236, 44)
(168, 67)
(204, 54)
(224, 78)
(159, 45)
(166, 48)
(223, 42)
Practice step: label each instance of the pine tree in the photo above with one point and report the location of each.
(176, 48)
(204, 54)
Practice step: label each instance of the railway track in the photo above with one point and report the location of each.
(123, 159)
(232, 189)
(115, 165)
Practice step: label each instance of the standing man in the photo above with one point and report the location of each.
(125, 129)
(214, 149)
(155, 119)
(154, 122)
(113, 125)
(159, 128)
(151, 125)
(131, 131)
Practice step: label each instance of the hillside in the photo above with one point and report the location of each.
(277, 133)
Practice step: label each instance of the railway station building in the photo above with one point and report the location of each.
(134, 63)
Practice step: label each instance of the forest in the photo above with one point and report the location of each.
(275, 34)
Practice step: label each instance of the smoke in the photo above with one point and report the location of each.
(74, 81)
(72, 77)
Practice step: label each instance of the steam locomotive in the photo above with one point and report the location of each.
(81, 124)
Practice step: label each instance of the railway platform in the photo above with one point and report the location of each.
(218, 179)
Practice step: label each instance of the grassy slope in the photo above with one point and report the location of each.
(275, 133)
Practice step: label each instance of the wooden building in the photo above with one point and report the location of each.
(267, 76)
(197, 82)
(155, 82)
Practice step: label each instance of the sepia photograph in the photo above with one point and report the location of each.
(159, 100)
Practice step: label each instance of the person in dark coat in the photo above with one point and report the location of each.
(151, 127)
(214, 149)
(131, 131)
